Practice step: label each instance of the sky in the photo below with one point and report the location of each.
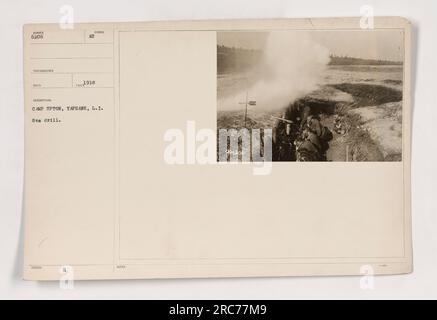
(367, 44)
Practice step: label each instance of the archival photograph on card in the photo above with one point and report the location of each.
(333, 95)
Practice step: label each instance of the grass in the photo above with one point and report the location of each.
(369, 95)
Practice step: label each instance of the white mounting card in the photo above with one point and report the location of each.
(237, 148)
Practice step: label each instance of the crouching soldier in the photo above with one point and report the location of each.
(314, 140)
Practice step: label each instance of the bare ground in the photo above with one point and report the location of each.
(372, 123)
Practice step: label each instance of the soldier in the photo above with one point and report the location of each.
(301, 121)
(314, 141)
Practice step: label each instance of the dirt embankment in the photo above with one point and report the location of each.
(365, 119)
(384, 124)
(368, 128)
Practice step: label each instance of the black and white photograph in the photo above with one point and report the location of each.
(326, 95)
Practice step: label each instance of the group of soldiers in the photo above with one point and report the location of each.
(300, 135)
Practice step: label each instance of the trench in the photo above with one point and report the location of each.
(351, 141)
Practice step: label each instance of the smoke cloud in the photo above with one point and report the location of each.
(292, 66)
